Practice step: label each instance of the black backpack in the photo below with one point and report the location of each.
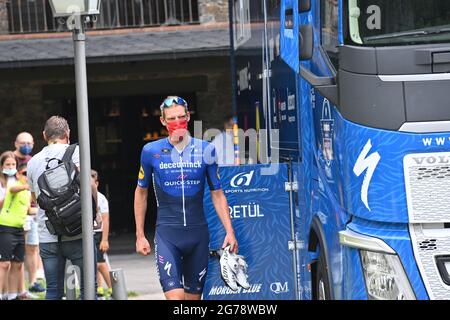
(60, 196)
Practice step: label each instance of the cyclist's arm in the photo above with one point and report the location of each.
(140, 209)
(221, 206)
(219, 200)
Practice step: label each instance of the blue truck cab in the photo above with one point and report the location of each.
(357, 92)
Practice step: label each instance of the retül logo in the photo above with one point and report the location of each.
(242, 179)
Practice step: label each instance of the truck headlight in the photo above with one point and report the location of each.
(385, 277)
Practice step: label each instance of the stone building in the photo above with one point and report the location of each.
(138, 52)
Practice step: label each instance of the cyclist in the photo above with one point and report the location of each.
(178, 166)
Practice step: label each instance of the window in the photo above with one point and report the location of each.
(329, 17)
(397, 22)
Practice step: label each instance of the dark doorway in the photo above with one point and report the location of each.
(119, 128)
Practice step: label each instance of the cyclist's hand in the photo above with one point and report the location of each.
(230, 239)
(104, 246)
(142, 246)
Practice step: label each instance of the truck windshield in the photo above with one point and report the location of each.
(397, 22)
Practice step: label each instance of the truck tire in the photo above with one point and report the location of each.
(321, 283)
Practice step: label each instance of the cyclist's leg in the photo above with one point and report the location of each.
(195, 264)
(168, 264)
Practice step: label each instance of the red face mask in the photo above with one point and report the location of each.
(177, 128)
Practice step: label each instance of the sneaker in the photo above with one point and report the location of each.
(109, 293)
(100, 293)
(241, 274)
(226, 270)
(36, 287)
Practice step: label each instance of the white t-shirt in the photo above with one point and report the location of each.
(103, 207)
(9, 182)
(224, 146)
(35, 167)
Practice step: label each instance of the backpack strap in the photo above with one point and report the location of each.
(69, 153)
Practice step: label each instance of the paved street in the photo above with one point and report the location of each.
(140, 275)
(140, 272)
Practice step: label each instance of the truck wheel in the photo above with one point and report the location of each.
(321, 285)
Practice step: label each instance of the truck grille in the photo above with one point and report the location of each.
(427, 182)
(427, 244)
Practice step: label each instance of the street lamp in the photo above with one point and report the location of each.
(77, 13)
(65, 8)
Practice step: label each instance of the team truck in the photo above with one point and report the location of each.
(355, 97)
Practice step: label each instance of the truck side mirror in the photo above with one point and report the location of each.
(306, 42)
(304, 6)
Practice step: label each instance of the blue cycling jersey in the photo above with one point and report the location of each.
(179, 179)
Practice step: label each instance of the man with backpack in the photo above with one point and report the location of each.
(54, 182)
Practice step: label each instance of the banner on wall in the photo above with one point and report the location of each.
(259, 209)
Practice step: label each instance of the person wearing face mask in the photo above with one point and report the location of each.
(15, 200)
(179, 166)
(24, 146)
(33, 264)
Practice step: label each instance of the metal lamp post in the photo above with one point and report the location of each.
(76, 13)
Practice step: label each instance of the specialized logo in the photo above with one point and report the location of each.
(165, 150)
(201, 275)
(141, 173)
(167, 268)
(278, 287)
(368, 163)
(242, 179)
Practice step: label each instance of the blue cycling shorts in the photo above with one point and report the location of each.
(182, 253)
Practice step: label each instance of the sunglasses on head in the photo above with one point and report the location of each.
(169, 101)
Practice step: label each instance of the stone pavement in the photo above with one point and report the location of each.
(140, 275)
(140, 272)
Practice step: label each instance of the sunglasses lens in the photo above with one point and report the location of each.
(168, 102)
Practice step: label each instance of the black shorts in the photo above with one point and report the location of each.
(100, 254)
(12, 244)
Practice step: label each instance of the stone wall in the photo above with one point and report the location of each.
(211, 11)
(23, 107)
(3, 17)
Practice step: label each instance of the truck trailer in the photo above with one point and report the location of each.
(350, 101)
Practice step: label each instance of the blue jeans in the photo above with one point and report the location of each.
(54, 256)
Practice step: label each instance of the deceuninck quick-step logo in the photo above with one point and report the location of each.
(178, 165)
(368, 164)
